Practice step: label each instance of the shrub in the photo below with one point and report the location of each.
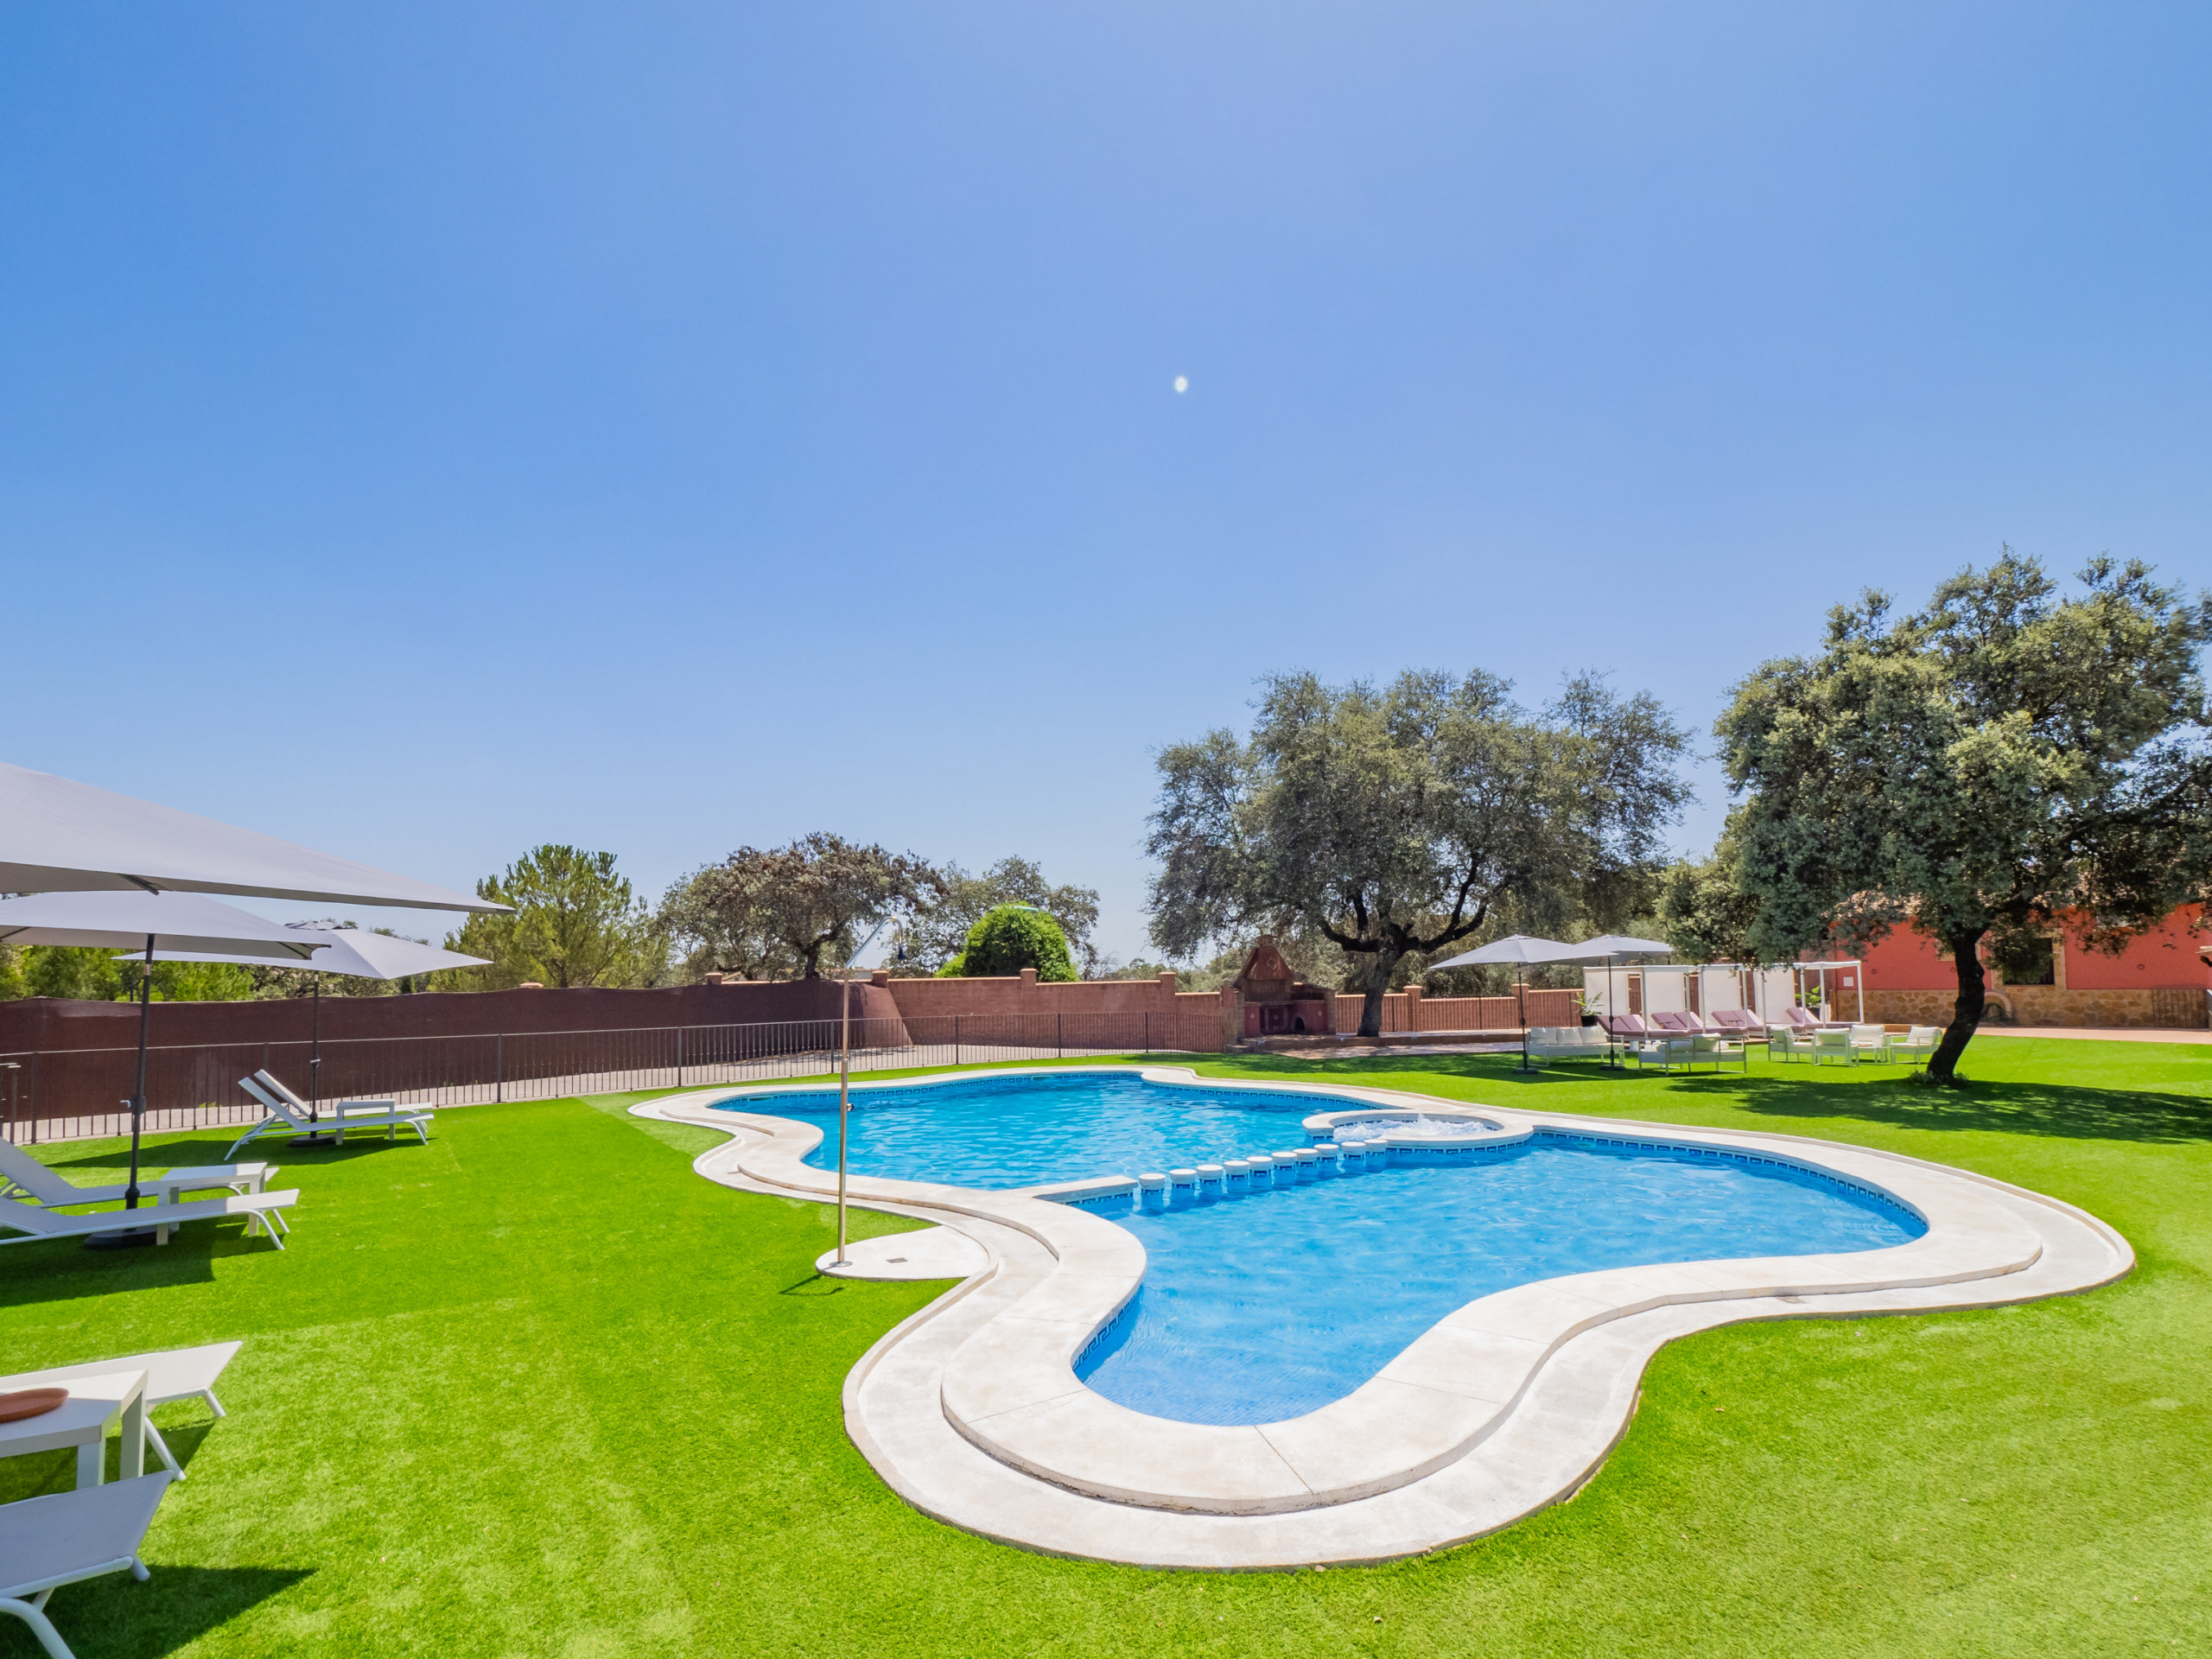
(1007, 938)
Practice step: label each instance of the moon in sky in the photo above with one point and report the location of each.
(1182, 383)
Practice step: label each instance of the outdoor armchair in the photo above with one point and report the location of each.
(1717, 1052)
(1870, 1043)
(173, 1374)
(1788, 1043)
(29, 1222)
(1833, 1044)
(1916, 1046)
(1666, 1051)
(46, 1543)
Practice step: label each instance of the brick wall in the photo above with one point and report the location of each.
(1410, 1012)
(2049, 1005)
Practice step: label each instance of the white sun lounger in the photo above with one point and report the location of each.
(30, 1221)
(23, 1176)
(289, 1115)
(46, 1543)
(173, 1374)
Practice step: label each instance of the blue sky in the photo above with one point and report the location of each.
(430, 430)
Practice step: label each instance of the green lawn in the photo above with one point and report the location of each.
(537, 1389)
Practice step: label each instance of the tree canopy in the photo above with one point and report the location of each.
(1391, 822)
(766, 913)
(1007, 938)
(576, 922)
(1977, 769)
(938, 930)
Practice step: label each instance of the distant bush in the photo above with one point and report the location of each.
(1006, 939)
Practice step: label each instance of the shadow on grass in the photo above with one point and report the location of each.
(62, 1269)
(114, 1618)
(2073, 1111)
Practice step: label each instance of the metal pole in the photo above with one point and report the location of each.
(500, 1066)
(844, 1100)
(679, 1056)
(314, 1054)
(138, 1100)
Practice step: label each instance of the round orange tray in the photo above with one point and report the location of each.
(30, 1402)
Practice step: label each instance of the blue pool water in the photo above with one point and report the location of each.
(1026, 1131)
(1257, 1308)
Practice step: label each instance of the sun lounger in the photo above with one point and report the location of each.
(289, 1115)
(22, 1177)
(46, 1543)
(1671, 1022)
(173, 1374)
(31, 1221)
(1801, 1019)
(1626, 1025)
(1736, 1023)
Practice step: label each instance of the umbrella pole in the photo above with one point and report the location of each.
(844, 1100)
(314, 1054)
(125, 1238)
(138, 1100)
(1521, 1009)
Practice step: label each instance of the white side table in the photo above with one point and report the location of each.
(172, 1187)
(95, 1404)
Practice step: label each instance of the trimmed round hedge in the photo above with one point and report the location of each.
(1007, 938)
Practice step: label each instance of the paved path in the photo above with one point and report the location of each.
(2098, 1034)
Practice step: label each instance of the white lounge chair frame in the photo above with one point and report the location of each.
(23, 1176)
(172, 1373)
(30, 1221)
(289, 1115)
(65, 1537)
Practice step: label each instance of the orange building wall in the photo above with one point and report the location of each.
(2158, 980)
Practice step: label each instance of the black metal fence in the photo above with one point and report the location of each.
(69, 1094)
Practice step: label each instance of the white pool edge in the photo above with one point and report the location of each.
(1466, 1394)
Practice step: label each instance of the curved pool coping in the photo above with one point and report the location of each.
(1059, 1275)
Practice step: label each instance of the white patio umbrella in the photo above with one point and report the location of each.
(61, 836)
(350, 951)
(178, 920)
(1519, 950)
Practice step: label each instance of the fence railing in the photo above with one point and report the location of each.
(69, 1094)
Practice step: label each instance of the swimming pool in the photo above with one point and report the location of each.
(1255, 1309)
(1025, 1131)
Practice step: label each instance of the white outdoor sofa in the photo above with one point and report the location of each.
(289, 1115)
(46, 1543)
(1567, 1043)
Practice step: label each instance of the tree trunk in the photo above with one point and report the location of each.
(1966, 1013)
(1378, 985)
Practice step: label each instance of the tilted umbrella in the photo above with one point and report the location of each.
(346, 951)
(61, 836)
(178, 921)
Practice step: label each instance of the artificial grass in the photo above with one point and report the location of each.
(535, 1389)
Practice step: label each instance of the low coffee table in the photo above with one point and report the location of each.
(95, 1403)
